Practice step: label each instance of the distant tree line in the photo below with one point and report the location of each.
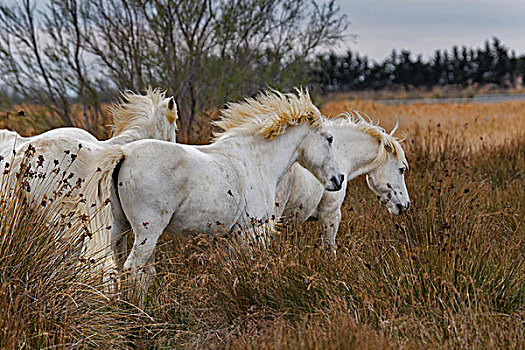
(493, 64)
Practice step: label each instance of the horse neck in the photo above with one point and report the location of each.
(355, 150)
(270, 157)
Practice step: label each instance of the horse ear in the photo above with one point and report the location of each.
(171, 103)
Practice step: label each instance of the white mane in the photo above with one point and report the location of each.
(388, 142)
(137, 111)
(269, 114)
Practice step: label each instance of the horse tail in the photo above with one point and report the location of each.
(97, 193)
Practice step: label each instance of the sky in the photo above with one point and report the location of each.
(422, 26)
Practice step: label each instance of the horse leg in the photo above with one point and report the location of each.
(140, 261)
(329, 214)
(330, 225)
(121, 226)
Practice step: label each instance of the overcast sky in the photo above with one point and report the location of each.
(422, 26)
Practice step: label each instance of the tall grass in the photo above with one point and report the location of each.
(48, 296)
(448, 274)
(473, 124)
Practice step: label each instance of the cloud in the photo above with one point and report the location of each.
(424, 26)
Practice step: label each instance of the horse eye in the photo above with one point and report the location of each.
(401, 170)
(330, 139)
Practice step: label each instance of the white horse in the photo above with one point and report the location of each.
(227, 185)
(361, 148)
(10, 140)
(137, 117)
(75, 153)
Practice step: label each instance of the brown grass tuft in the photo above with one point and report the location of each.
(48, 298)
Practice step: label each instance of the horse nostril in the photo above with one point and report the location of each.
(341, 179)
(400, 208)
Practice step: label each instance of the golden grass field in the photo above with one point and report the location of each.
(476, 123)
(448, 274)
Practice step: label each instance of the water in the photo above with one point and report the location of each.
(482, 98)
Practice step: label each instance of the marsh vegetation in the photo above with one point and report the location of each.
(449, 273)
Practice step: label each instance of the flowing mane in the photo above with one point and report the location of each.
(137, 111)
(389, 143)
(268, 114)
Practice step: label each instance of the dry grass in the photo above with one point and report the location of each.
(48, 297)
(449, 274)
(29, 120)
(474, 124)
